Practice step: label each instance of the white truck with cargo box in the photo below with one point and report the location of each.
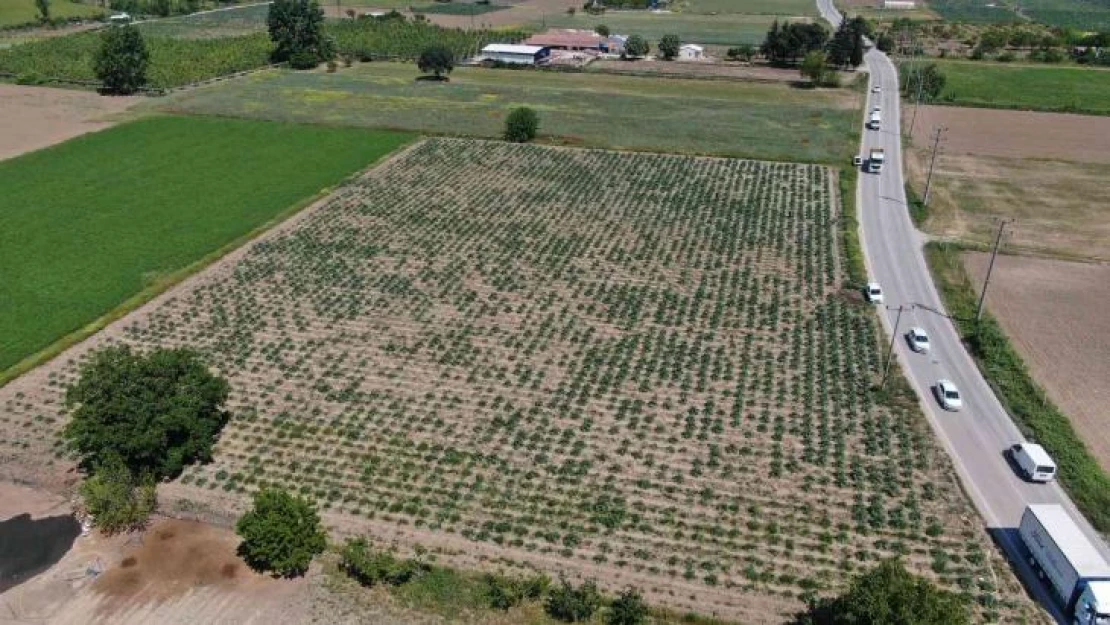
(875, 160)
(1061, 554)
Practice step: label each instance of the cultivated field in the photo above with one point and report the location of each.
(1028, 87)
(640, 368)
(35, 117)
(724, 29)
(1046, 170)
(1054, 314)
(98, 219)
(23, 12)
(718, 117)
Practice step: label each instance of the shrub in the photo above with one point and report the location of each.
(627, 609)
(503, 592)
(889, 594)
(570, 604)
(522, 125)
(303, 60)
(116, 499)
(281, 533)
(371, 568)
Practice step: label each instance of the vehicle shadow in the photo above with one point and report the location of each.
(1009, 541)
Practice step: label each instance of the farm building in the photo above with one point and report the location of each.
(577, 41)
(516, 54)
(691, 52)
(899, 4)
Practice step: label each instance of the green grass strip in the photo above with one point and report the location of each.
(1079, 472)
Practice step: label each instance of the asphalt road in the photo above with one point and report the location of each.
(976, 436)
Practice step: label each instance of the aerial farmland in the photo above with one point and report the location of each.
(638, 368)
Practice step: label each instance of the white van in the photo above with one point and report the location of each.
(1033, 462)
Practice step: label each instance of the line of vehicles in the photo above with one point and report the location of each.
(1053, 544)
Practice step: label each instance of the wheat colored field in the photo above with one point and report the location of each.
(633, 367)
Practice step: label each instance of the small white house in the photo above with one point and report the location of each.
(691, 52)
(513, 53)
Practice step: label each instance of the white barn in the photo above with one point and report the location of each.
(512, 53)
(899, 4)
(691, 52)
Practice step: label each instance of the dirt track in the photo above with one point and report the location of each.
(37, 117)
(1055, 314)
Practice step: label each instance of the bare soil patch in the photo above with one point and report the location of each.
(1055, 314)
(36, 117)
(1046, 170)
(1016, 134)
(712, 69)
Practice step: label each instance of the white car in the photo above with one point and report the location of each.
(918, 340)
(874, 293)
(876, 109)
(948, 395)
(876, 89)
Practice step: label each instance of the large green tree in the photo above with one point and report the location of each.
(815, 67)
(281, 533)
(437, 59)
(297, 29)
(635, 47)
(122, 59)
(669, 47)
(889, 595)
(924, 77)
(155, 413)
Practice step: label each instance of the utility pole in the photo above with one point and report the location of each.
(932, 162)
(920, 84)
(990, 268)
(890, 350)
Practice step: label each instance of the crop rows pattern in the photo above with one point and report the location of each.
(645, 363)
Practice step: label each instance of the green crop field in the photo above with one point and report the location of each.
(1039, 88)
(771, 121)
(1083, 15)
(637, 367)
(23, 12)
(749, 7)
(458, 8)
(173, 61)
(226, 23)
(91, 222)
(974, 11)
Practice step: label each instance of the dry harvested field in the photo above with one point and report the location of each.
(37, 117)
(638, 368)
(759, 73)
(1055, 314)
(1047, 170)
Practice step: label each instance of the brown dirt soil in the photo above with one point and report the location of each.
(174, 572)
(1016, 134)
(996, 164)
(37, 117)
(1055, 314)
(16, 499)
(518, 14)
(757, 73)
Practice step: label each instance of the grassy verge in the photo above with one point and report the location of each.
(1080, 473)
(464, 596)
(918, 212)
(849, 228)
(100, 224)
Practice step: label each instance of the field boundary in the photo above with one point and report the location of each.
(167, 281)
(1006, 373)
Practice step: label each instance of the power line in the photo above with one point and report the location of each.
(990, 268)
(932, 161)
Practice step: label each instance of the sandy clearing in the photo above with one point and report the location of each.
(36, 117)
(1055, 314)
(1016, 134)
(16, 499)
